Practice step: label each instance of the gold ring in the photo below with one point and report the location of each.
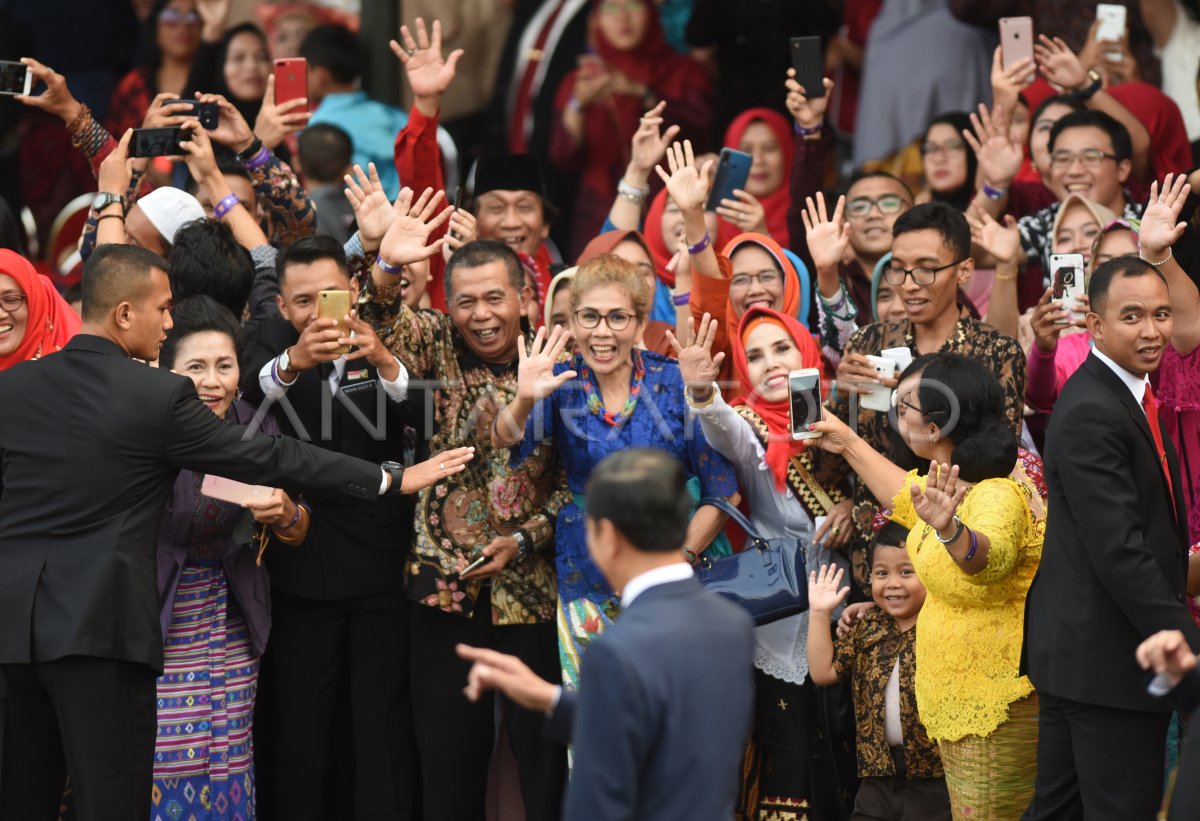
(836, 530)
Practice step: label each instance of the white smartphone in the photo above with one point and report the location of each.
(1111, 28)
(879, 398)
(901, 356)
(1067, 274)
(15, 78)
(228, 490)
(804, 391)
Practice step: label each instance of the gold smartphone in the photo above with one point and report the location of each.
(335, 305)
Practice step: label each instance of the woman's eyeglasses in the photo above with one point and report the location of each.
(174, 17)
(616, 320)
(888, 204)
(767, 279)
(897, 402)
(951, 147)
(894, 274)
(12, 302)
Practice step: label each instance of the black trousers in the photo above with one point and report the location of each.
(1097, 762)
(336, 720)
(92, 718)
(456, 737)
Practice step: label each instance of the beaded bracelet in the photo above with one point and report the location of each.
(681, 300)
(387, 267)
(1170, 254)
(225, 206)
(701, 245)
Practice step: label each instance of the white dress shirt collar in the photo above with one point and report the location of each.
(1136, 384)
(675, 572)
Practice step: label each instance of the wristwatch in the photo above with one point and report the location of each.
(105, 199)
(285, 361)
(523, 545)
(396, 471)
(1095, 83)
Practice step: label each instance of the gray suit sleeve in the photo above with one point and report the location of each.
(266, 284)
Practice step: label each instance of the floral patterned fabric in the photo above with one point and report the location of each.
(458, 517)
(867, 654)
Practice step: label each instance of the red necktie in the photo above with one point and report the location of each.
(1150, 405)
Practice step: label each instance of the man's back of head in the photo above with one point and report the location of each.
(207, 260)
(643, 493)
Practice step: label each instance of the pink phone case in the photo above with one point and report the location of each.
(228, 490)
(1016, 39)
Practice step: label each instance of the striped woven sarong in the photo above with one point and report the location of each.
(991, 778)
(204, 755)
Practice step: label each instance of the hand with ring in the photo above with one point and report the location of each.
(431, 471)
(835, 531)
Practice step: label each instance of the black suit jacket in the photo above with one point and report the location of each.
(1185, 799)
(353, 548)
(663, 711)
(90, 444)
(1114, 565)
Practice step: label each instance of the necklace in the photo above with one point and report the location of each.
(594, 403)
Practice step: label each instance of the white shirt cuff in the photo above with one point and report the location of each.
(396, 390)
(268, 380)
(554, 699)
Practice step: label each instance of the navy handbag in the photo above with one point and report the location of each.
(768, 578)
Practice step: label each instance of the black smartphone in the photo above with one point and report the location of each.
(808, 59)
(15, 78)
(804, 393)
(733, 169)
(458, 193)
(207, 113)
(157, 142)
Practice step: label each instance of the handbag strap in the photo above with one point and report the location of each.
(722, 504)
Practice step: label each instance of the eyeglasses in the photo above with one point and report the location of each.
(767, 279)
(888, 204)
(921, 275)
(616, 320)
(951, 147)
(618, 6)
(1090, 157)
(12, 302)
(174, 17)
(897, 402)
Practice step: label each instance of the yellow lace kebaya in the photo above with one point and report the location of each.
(969, 631)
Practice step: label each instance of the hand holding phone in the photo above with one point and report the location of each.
(879, 397)
(229, 490)
(1016, 40)
(15, 78)
(809, 63)
(1067, 273)
(335, 305)
(733, 169)
(291, 80)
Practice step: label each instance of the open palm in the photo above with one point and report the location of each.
(429, 73)
(999, 157)
(1161, 228)
(827, 235)
(406, 238)
(687, 184)
(535, 368)
(373, 212)
(825, 592)
(697, 365)
(943, 494)
(1003, 242)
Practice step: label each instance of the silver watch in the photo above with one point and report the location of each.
(284, 361)
(105, 199)
(522, 544)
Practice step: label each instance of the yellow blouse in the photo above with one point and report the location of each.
(969, 631)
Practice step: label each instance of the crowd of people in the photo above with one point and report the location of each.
(329, 485)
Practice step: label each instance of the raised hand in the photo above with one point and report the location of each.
(198, 151)
(697, 365)
(809, 112)
(429, 74)
(648, 144)
(163, 116)
(232, 130)
(746, 212)
(462, 230)
(435, 469)
(406, 238)
(828, 237)
(213, 16)
(999, 157)
(56, 99)
(1058, 63)
(535, 367)
(1048, 322)
(825, 592)
(1007, 81)
(943, 494)
(373, 211)
(117, 168)
(275, 122)
(1002, 242)
(687, 184)
(1161, 227)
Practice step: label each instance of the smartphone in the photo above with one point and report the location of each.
(901, 356)
(15, 78)
(1112, 22)
(207, 113)
(1016, 40)
(291, 79)
(804, 391)
(227, 490)
(880, 396)
(809, 61)
(335, 305)
(157, 142)
(733, 169)
(1066, 271)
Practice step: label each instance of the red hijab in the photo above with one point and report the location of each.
(652, 233)
(51, 320)
(780, 445)
(775, 203)
(652, 61)
(605, 244)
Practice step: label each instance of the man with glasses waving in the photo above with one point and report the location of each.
(931, 258)
(874, 200)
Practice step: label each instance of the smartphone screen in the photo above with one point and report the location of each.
(809, 62)
(157, 142)
(804, 390)
(733, 169)
(14, 78)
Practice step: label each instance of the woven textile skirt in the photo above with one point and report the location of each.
(204, 755)
(991, 778)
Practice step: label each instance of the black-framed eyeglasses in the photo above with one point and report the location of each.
(950, 147)
(616, 320)
(767, 279)
(12, 302)
(888, 204)
(897, 402)
(1090, 157)
(893, 274)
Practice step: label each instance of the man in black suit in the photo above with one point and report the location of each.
(1114, 568)
(665, 700)
(90, 442)
(339, 618)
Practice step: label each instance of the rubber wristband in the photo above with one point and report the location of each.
(388, 268)
(993, 193)
(701, 245)
(292, 523)
(970, 553)
(802, 131)
(681, 300)
(225, 206)
(259, 159)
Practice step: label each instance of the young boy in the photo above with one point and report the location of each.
(899, 766)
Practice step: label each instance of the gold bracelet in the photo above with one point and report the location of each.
(691, 398)
(1005, 279)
